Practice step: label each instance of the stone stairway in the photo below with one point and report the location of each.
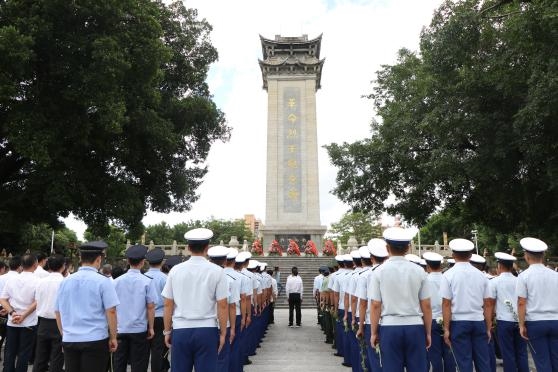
(307, 269)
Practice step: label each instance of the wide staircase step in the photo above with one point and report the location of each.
(307, 270)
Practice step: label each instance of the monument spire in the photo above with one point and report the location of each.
(291, 71)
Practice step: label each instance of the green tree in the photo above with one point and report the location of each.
(38, 238)
(160, 233)
(467, 123)
(222, 230)
(361, 225)
(115, 239)
(104, 110)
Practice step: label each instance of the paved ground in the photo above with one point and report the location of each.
(295, 349)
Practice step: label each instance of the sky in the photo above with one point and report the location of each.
(359, 36)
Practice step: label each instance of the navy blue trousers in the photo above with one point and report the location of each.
(439, 354)
(470, 344)
(194, 347)
(356, 361)
(347, 340)
(543, 335)
(512, 346)
(373, 359)
(403, 347)
(339, 332)
(223, 358)
(235, 358)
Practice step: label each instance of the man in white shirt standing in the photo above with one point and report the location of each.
(18, 298)
(49, 339)
(318, 279)
(293, 288)
(40, 272)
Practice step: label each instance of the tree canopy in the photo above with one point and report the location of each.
(104, 111)
(467, 123)
(360, 225)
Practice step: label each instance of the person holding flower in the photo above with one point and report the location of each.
(439, 354)
(537, 306)
(401, 297)
(467, 316)
(502, 295)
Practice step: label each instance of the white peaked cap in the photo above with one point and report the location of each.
(433, 256)
(461, 245)
(533, 245)
(218, 251)
(364, 252)
(475, 258)
(413, 258)
(501, 256)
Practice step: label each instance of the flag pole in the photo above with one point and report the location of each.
(52, 243)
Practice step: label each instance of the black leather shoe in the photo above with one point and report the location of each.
(346, 364)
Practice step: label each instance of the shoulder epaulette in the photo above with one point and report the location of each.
(364, 271)
(147, 276)
(230, 276)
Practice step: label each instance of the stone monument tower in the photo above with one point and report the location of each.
(291, 70)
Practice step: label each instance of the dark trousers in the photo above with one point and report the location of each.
(512, 346)
(470, 345)
(48, 351)
(404, 348)
(439, 354)
(18, 349)
(294, 305)
(194, 348)
(133, 348)
(159, 361)
(90, 356)
(271, 313)
(543, 335)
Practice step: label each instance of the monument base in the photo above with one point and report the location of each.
(298, 233)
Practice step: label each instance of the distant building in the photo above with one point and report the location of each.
(253, 224)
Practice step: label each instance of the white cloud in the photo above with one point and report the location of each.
(358, 37)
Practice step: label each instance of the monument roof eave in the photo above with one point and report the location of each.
(318, 73)
(295, 41)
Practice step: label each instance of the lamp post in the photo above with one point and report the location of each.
(475, 233)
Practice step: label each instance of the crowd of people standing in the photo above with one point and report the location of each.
(209, 312)
(384, 310)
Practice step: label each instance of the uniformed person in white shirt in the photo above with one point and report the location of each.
(338, 306)
(48, 351)
(358, 298)
(158, 349)
(378, 253)
(341, 285)
(86, 313)
(135, 314)
(18, 298)
(439, 354)
(504, 300)
(218, 256)
(235, 360)
(401, 297)
(195, 302)
(538, 306)
(316, 295)
(352, 314)
(466, 308)
(241, 262)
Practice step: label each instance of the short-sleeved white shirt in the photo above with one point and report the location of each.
(502, 289)
(434, 280)
(466, 287)
(20, 293)
(400, 285)
(235, 287)
(534, 284)
(47, 291)
(246, 284)
(340, 285)
(195, 286)
(318, 279)
(362, 291)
